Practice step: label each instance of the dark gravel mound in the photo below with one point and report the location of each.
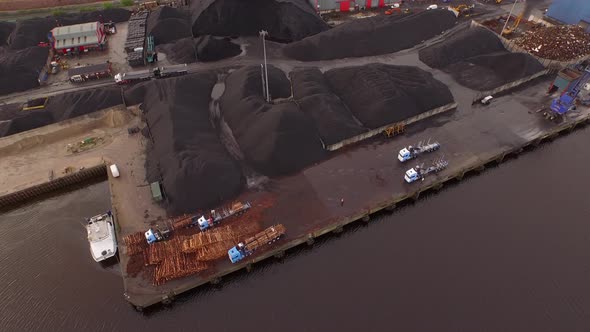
(195, 168)
(58, 108)
(167, 24)
(135, 93)
(489, 71)
(285, 20)
(380, 94)
(276, 139)
(19, 70)
(32, 31)
(213, 49)
(372, 36)
(332, 119)
(205, 48)
(5, 31)
(180, 51)
(465, 44)
(70, 105)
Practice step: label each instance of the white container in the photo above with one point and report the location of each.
(114, 171)
(138, 49)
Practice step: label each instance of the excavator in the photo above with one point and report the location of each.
(462, 10)
(508, 30)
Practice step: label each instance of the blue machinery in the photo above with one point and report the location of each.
(567, 100)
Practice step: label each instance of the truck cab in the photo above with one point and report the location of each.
(153, 236)
(204, 223)
(119, 78)
(237, 253)
(404, 155)
(411, 175)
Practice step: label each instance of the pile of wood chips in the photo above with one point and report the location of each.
(562, 42)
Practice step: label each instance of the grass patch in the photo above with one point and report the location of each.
(108, 5)
(127, 3)
(58, 12)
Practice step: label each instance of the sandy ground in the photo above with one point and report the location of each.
(35, 156)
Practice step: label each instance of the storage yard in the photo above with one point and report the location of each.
(225, 160)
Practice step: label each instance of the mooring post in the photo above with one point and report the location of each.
(310, 240)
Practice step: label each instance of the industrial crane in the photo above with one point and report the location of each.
(567, 100)
(509, 30)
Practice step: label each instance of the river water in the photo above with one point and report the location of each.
(508, 250)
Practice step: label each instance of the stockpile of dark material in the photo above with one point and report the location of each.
(379, 94)
(560, 42)
(186, 155)
(285, 20)
(489, 71)
(5, 31)
(167, 24)
(19, 70)
(460, 46)
(59, 108)
(372, 36)
(276, 139)
(477, 59)
(332, 119)
(204, 48)
(32, 31)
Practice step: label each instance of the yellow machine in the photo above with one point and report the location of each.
(511, 29)
(396, 129)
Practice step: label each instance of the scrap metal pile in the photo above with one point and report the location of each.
(562, 42)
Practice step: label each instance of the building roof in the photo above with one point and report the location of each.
(76, 35)
(570, 11)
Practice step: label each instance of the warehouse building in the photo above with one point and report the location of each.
(571, 12)
(79, 38)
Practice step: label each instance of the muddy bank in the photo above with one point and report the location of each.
(276, 138)
(372, 36)
(379, 94)
(285, 20)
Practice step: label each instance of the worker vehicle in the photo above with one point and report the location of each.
(114, 170)
(487, 100)
(419, 172)
(461, 10)
(146, 74)
(217, 216)
(432, 7)
(412, 152)
(157, 235)
(566, 102)
(110, 28)
(251, 244)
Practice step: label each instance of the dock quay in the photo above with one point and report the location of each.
(360, 180)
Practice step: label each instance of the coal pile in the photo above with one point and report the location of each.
(379, 94)
(333, 121)
(168, 24)
(489, 71)
(276, 139)
(14, 120)
(195, 168)
(560, 42)
(5, 31)
(465, 44)
(285, 20)
(204, 48)
(32, 31)
(372, 36)
(213, 49)
(19, 70)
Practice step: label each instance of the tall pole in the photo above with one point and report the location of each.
(262, 80)
(264, 33)
(508, 19)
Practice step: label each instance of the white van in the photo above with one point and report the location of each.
(114, 171)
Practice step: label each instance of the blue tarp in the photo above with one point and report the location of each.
(570, 11)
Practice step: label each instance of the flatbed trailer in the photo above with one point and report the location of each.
(251, 244)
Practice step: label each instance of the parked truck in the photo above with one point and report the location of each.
(217, 216)
(412, 152)
(251, 244)
(158, 234)
(419, 172)
(147, 74)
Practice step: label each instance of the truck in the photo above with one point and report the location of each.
(216, 217)
(251, 244)
(92, 72)
(411, 152)
(147, 74)
(419, 172)
(154, 235)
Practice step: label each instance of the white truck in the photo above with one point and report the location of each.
(411, 152)
(419, 172)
